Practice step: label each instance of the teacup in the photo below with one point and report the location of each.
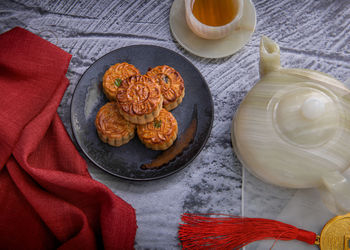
(213, 19)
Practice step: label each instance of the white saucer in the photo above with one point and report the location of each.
(211, 48)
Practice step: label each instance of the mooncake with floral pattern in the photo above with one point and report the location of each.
(160, 133)
(111, 127)
(139, 99)
(171, 85)
(114, 76)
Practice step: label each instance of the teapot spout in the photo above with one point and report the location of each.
(269, 56)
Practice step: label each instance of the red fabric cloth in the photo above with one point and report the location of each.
(47, 197)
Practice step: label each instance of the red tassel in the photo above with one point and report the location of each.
(227, 232)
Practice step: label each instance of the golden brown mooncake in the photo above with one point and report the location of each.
(111, 127)
(139, 99)
(113, 77)
(171, 85)
(160, 133)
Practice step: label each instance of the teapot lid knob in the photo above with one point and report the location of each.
(313, 108)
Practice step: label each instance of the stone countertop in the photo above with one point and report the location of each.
(311, 34)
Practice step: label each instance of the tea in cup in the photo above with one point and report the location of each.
(213, 19)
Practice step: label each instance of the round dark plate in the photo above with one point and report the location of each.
(126, 161)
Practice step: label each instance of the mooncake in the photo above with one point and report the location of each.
(111, 127)
(171, 85)
(160, 133)
(114, 76)
(139, 99)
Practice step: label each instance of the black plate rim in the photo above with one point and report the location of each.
(156, 177)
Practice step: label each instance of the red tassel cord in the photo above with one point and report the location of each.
(227, 232)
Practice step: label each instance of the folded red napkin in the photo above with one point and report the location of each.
(47, 197)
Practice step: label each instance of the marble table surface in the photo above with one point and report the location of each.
(311, 34)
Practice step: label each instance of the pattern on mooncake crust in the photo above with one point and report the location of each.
(111, 127)
(159, 134)
(171, 84)
(113, 77)
(139, 99)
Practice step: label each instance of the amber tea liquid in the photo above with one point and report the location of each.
(215, 12)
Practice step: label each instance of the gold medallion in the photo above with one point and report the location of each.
(335, 234)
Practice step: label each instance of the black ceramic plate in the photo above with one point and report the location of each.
(126, 161)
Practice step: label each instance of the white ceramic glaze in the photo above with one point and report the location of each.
(212, 48)
(212, 32)
(293, 129)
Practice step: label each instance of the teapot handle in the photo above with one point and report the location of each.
(269, 56)
(336, 192)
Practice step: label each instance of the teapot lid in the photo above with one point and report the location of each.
(305, 115)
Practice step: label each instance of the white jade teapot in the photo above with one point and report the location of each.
(293, 129)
